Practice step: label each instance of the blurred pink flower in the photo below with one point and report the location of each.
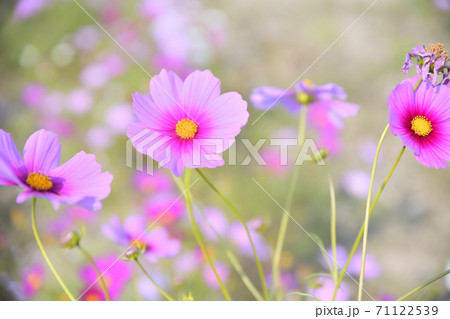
(118, 117)
(213, 221)
(356, 183)
(80, 101)
(94, 76)
(34, 94)
(72, 217)
(99, 137)
(185, 264)
(26, 9)
(32, 280)
(164, 208)
(86, 38)
(155, 241)
(116, 274)
(238, 237)
(443, 5)
(210, 278)
(147, 184)
(322, 287)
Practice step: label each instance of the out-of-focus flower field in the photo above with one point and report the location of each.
(71, 67)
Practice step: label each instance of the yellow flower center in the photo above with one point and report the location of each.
(421, 125)
(186, 129)
(39, 181)
(92, 297)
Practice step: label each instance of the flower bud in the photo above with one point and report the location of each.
(70, 239)
(132, 253)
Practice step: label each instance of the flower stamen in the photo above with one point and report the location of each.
(438, 49)
(186, 129)
(39, 181)
(421, 125)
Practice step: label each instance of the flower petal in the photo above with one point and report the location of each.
(42, 152)
(199, 89)
(268, 97)
(165, 90)
(153, 116)
(81, 181)
(12, 166)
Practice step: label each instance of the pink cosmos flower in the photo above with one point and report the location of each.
(421, 119)
(34, 94)
(116, 274)
(186, 123)
(326, 107)
(26, 9)
(210, 277)
(155, 242)
(163, 207)
(323, 287)
(32, 280)
(79, 181)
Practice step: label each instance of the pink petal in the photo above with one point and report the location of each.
(42, 152)
(82, 181)
(12, 166)
(152, 115)
(199, 89)
(165, 90)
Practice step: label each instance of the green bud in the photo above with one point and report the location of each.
(70, 239)
(304, 98)
(132, 253)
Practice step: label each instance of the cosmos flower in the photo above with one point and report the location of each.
(326, 107)
(210, 277)
(372, 267)
(32, 280)
(116, 274)
(164, 207)
(34, 94)
(180, 120)
(431, 62)
(238, 237)
(26, 9)
(155, 242)
(322, 287)
(421, 119)
(79, 181)
(158, 181)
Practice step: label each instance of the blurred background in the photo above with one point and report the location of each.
(63, 72)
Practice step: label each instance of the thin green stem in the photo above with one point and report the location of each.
(41, 247)
(289, 199)
(429, 282)
(97, 271)
(333, 223)
(417, 84)
(242, 221)
(361, 230)
(165, 294)
(367, 214)
(236, 265)
(199, 237)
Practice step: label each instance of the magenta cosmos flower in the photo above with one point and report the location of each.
(326, 107)
(79, 181)
(186, 123)
(421, 119)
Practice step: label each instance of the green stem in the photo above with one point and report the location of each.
(41, 247)
(165, 294)
(242, 221)
(417, 84)
(236, 265)
(367, 214)
(429, 282)
(97, 271)
(333, 224)
(199, 237)
(358, 238)
(288, 204)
